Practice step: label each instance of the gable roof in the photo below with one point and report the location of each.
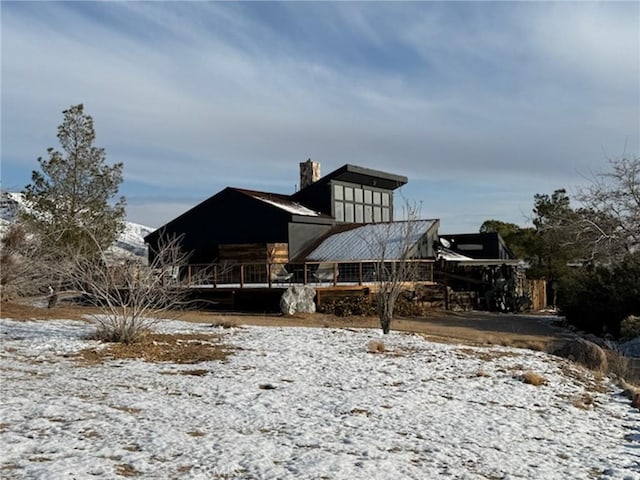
(276, 200)
(373, 241)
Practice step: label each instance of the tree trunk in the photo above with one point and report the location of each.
(385, 312)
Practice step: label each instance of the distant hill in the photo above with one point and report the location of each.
(130, 241)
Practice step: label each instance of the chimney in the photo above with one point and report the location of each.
(309, 173)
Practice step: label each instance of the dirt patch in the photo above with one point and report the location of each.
(163, 347)
(472, 328)
(21, 311)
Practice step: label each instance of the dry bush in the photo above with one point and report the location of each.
(620, 366)
(584, 402)
(129, 293)
(585, 353)
(226, 323)
(376, 346)
(533, 378)
(632, 393)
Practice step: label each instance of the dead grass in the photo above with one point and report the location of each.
(224, 323)
(535, 379)
(360, 411)
(196, 433)
(126, 470)
(621, 367)
(131, 410)
(376, 346)
(632, 393)
(180, 348)
(486, 355)
(584, 402)
(23, 312)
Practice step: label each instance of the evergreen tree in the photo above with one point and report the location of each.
(71, 200)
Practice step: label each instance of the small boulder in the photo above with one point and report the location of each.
(298, 299)
(631, 348)
(584, 352)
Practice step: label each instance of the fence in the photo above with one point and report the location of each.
(242, 275)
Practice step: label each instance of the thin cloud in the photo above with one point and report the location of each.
(199, 95)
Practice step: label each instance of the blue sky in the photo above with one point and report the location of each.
(481, 104)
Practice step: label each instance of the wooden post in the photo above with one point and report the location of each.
(242, 275)
(215, 276)
(360, 273)
(305, 273)
(269, 274)
(335, 274)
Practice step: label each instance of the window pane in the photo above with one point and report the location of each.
(348, 194)
(385, 199)
(385, 214)
(368, 212)
(377, 214)
(337, 192)
(367, 196)
(359, 213)
(376, 198)
(339, 213)
(348, 212)
(358, 195)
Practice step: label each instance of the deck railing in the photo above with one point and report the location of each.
(219, 275)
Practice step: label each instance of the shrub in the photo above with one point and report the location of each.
(597, 299)
(533, 378)
(630, 327)
(376, 346)
(586, 353)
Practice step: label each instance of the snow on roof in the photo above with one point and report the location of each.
(371, 241)
(451, 256)
(282, 202)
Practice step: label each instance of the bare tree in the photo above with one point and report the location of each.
(131, 295)
(19, 275)
(394, 246)
(610, 221)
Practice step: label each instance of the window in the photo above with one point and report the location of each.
(337, 192)
(348, 212)
(353, 203)
(339, 211)
(348, 194)
(368, 213)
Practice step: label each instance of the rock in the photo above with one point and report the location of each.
(631, 348)
(584, 352)
(298, 299)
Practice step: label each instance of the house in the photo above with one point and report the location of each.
(486, 245)
(483, 265)
(238, 225)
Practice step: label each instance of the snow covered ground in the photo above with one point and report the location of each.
(421, 410)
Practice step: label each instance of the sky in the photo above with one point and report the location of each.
(481, 104)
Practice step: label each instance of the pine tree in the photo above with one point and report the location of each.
(71, 200)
